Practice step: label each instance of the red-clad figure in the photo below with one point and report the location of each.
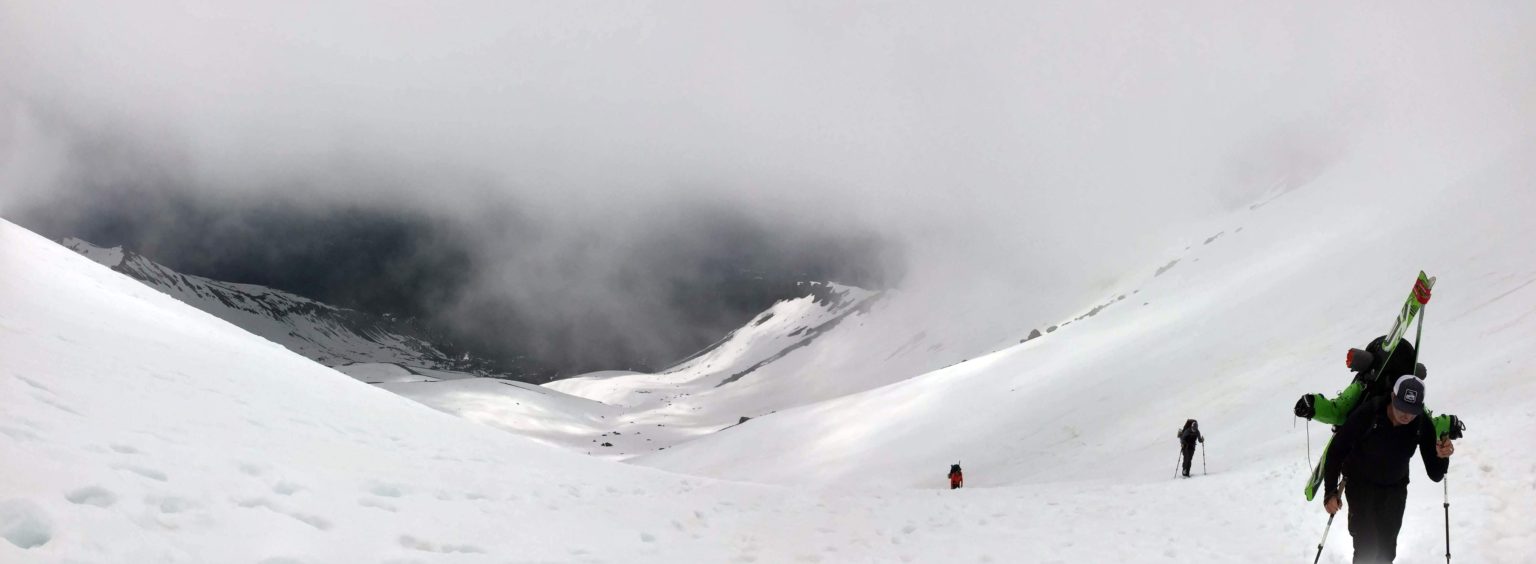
(956, 478)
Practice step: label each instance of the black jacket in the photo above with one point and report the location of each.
(1188, 435)
(1368, 448)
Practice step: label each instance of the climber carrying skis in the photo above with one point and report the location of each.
(1371, 450)
(1377, 368)
(1187, 437)
(1379, 419)
(956, 477)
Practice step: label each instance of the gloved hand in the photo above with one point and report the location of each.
(1456, 427)
(1304, 406)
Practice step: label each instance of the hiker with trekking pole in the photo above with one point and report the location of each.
(1187, 438)
(1381, 420)
(1372, 450)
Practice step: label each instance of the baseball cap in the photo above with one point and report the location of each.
(1408, 395)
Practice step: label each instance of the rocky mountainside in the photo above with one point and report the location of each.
(327, 334)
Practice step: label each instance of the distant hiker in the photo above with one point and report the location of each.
(1187, 437)
(956, 478)
(1371, 450)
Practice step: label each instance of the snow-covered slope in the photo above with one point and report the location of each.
(329, 335)
(1238, 327)
(383, 373)
(1256, 309)
(786, 327)
(532, 411)
(1244, 322)
(619, 414)
(799, 351)
(138, 429)
(835, 341)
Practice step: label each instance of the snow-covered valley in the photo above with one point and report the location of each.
(139, 429)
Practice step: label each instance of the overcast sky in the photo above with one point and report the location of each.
(1048, 145)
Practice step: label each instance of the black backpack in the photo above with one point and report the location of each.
(1381, 373)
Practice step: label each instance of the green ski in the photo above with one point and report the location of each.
(1316, 479)
(1334, 411)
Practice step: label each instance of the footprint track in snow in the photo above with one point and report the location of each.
(375, 503)
(387, 490)
(414, 543)
(146, 472)
(169, 504)
(34, 384)
(24, 523)
(20, 435)
(92, 495)
(123, 449)
(315, 521)
(56, 404)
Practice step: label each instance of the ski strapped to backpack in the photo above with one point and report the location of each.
(1370, 380)
(1319, 408)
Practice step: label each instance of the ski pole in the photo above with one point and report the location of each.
(1447, 483)
(1418, 347)
(1176, 462)
(1203, 471)
(1325, 539)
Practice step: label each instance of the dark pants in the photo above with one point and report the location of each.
(1375, 516)
(1189, 457)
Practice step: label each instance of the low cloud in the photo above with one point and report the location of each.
(584, 156)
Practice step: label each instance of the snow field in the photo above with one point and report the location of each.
(136, 428)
